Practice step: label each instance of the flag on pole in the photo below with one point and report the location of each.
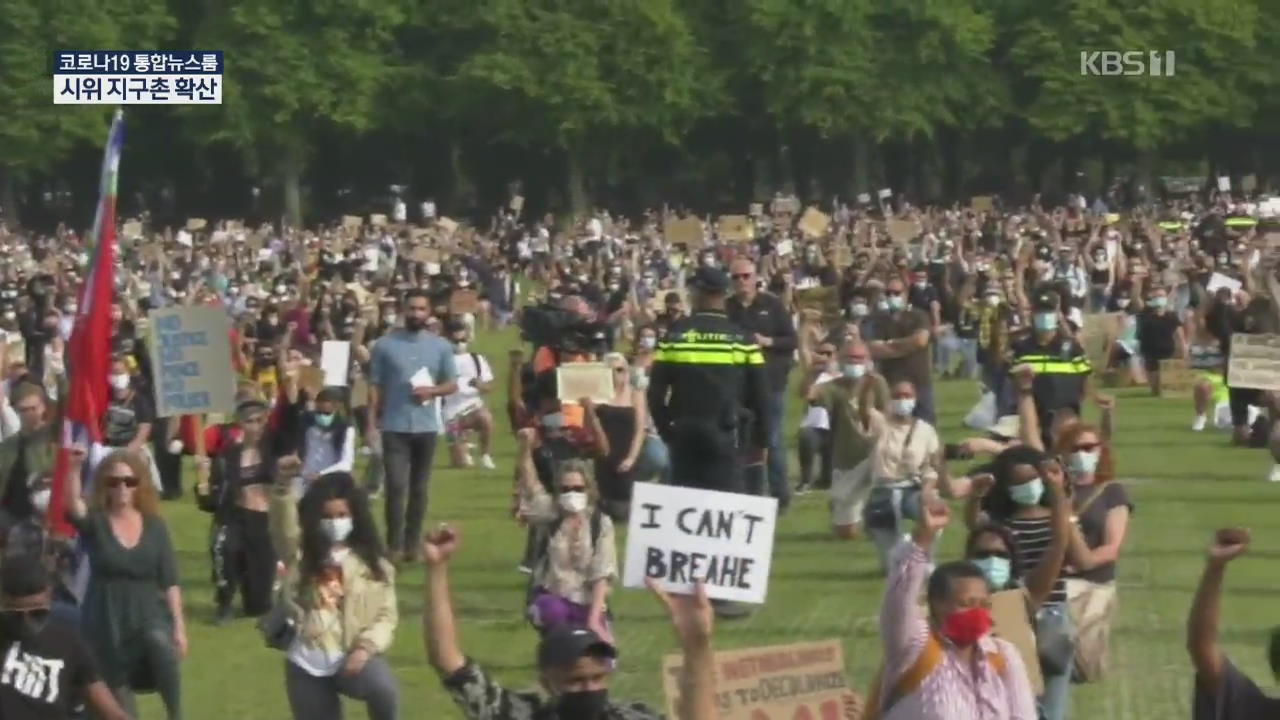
(89, 349)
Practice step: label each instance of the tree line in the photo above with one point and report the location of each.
(573, 103)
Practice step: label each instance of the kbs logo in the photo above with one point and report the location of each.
(1133, 62)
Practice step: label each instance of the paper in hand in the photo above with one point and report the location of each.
(422, 378)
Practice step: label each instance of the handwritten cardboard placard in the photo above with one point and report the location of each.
(755, 209)
(1224, 183)
(311, 380)
(1176, 376)
(191, 354)
(1254, 362)
(778, 682)
(516, 204)
(679, 535)
(575, 381)
(427, 255)
(235, 226)
(1218, 280)
(1012, 622)
(734, 228)
(194, 224)
(447, 225)
(1248, 184)
(15, 350)
(378, 220)
(683, 231)
(844, 256)
(785, 206)
(982, 203)
(824, 300)
(464, 301)
(902, 231)
(814, 222)
(352, 221)
(131, 230)
(335, 361)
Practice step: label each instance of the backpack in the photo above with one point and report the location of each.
(913, 678)
(544, 540)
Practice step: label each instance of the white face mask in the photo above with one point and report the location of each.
(903, 407)
(336, 529)
(120, 382)
(648, 343)
(40, 499)
(859, 310)
(573, 503)
(993, 300)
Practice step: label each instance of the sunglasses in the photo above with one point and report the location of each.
(118, 480)
(620, 370)
(985, 554)
(743, 276)
(893, 293)
(1087, 447)
(574, 488)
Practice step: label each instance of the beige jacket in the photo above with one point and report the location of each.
(368, 616)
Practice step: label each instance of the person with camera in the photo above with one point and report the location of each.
(1222, 692)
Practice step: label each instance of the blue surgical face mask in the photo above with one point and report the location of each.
(1157, 303)
(324, 420)
(1028, 493)
(853, 371)
(903, 407)
(997, 569)
(897, 302)
(553, 421)
(1083, 462)
(1046, 321)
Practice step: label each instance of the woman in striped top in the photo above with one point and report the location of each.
(1020, 512)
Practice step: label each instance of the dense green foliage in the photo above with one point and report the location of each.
(712, 103)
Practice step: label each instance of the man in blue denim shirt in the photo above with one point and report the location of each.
(410, 370)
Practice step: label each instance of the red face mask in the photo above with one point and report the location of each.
(965, 627)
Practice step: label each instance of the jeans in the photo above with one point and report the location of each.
(654, 461)
(317, 698)
(968, 350)
(1099, 295)
(944, 349)
(996, 377)
(814, 449)
(773, 476)
(1056, 700)
(407, 458)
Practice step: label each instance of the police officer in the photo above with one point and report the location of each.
(708, 392)
(1061, 366)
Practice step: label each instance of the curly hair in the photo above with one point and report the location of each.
(998, 504)
(1010, 542)
(586, 470)
(144, 495)
(363, 541)
(1069, 435)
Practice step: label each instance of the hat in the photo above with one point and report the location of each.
(563, 646)
(709, 279)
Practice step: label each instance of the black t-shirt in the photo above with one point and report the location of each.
(45, 677)
(1238, 699)
(1156, 333)
(120, 424)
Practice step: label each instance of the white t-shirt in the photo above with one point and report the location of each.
(816, 416)
(467, 398)
(400, 213)
(595, 228)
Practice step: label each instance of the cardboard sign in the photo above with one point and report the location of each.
(516, 204)
(131, 230)
(902, 231)
(352, 221)
(1254, 362)
(824, 300)
(844, 256)
(734, 228)
(1013, 623)
(426, 255)
(378, 220)
(194, 224)
(448, 226)
(235, 226)
(1218, 280)
(779, 682)
(1224, 183)
(360, 393)
(885, 193)
(311, 380)
(755, 209)
(785, 248)
(575, 381)
(1248, 184)
(464, 301)
(335, 361)
(814, 222)
(1176, 376)
(191, 354)
(685, 231)
(864, 198)
(15, 350)
(982, 203)
(679, 535)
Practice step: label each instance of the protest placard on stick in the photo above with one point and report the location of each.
(683, 231)
(733, 228)
(778, 682)
(814, 222)
(575, 381)
(1255, 362)
(191, 357)
(679, 536)
(1013, 623)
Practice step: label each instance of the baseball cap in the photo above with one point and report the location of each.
(564, 645)
(710, 279)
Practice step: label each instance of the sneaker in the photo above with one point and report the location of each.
(803, 489)
(487, 462)
(524, 569)
(1199, 424)
(1275, 473)
(224, 616)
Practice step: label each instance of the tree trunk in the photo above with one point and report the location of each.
(291, 186)
(8, 198)
(576, 183)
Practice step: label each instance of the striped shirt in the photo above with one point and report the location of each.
(956, 689)
(1033, 536)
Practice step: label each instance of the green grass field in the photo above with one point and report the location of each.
(1184, 484)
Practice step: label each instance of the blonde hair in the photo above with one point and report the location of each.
(586, 470)
(610, 358)
(144, 495)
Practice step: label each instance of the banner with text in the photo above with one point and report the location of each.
(191, 354)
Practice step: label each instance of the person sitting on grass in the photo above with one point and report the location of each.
(577, 559)
(575, 665)
(1222, 691)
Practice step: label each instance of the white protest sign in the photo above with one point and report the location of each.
(335, 360)
(1218, 280)
(885, 193)
(864, 198)
(184, 238)
(1255, 362)
(678, 535)
(191, 354)
(1224, 183)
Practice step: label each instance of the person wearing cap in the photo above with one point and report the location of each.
(1061, 366)
(575, 665)
(708, 393)
(768, 325)
(901, 350)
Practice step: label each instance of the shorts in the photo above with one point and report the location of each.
(848, 494)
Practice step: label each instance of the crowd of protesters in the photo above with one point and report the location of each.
(1042, 307)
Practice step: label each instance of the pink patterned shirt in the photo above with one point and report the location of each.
(953, 691)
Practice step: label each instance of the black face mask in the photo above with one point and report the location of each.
(23, 625)
(582, 705)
